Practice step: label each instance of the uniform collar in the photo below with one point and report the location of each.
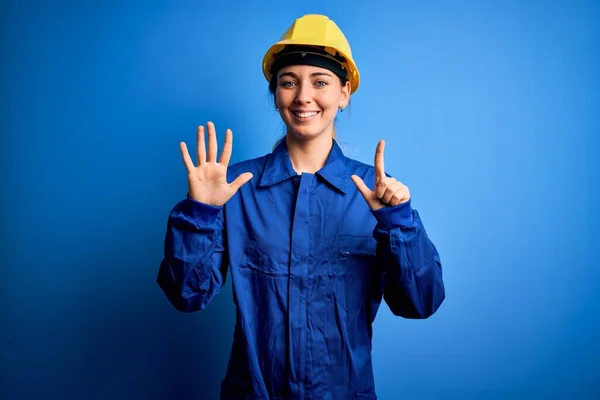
(279, 167)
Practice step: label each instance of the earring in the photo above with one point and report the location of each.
(341, 109)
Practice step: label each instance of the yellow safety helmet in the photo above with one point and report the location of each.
(315, 30)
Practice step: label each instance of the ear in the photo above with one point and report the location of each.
(345, 95)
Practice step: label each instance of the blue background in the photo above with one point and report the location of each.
(491, 115)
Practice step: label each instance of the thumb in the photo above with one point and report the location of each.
(360, 185)
(241, 180)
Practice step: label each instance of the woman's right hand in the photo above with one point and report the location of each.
(208, 181)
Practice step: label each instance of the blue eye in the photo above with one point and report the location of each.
(321, 83)
(287, 84)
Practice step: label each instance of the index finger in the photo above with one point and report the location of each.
(227, 148)
(379, 164)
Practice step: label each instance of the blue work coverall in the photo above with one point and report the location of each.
(310, 264)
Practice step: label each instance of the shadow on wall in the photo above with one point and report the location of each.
(109, 333)
(88, 319)
(134, 344)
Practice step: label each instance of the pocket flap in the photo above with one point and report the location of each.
(357, 245)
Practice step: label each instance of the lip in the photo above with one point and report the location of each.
(305, 118)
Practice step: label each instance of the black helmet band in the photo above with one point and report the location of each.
(300, 55)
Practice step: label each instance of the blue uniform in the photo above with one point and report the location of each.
(310, 264)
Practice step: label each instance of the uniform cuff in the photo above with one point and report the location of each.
(393, 217)
(200, 213)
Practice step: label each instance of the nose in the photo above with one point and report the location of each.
(305, 93)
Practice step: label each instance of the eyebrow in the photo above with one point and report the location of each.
(311, 75)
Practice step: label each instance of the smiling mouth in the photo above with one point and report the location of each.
(305, 114)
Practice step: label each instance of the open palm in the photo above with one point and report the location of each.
(208, 180)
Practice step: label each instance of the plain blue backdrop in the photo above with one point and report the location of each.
(491, 113)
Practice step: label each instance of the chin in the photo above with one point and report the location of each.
(307, 131)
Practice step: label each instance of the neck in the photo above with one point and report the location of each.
(308, 155)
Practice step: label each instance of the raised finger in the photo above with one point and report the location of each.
(212, 143)
(361, 186)
(227, 148)
(241, 180)
(379, 164)
(185, 155)
(200, 146)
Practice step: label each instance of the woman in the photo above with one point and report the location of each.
(311, 248)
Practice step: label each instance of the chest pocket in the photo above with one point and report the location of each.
(357, 246)
(355, 268)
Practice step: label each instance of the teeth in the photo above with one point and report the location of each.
(305, 114)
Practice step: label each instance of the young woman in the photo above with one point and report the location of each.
(313, 240)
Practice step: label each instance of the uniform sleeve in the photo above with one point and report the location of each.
(412, 270)
(194, 266)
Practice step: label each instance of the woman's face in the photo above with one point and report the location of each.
(308, 99)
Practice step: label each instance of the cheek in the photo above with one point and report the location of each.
(283, 97)
(328, 102)
(329, 107)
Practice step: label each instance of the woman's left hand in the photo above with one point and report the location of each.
(388, 192)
